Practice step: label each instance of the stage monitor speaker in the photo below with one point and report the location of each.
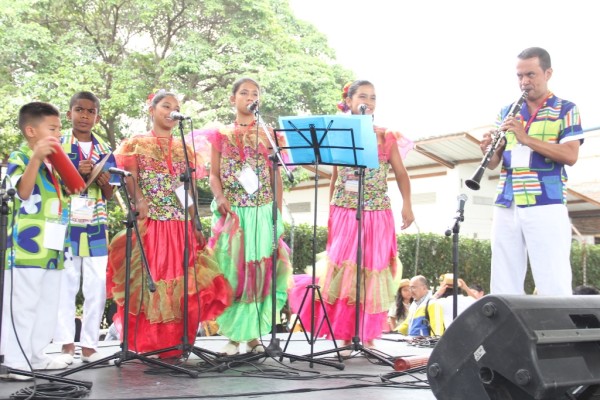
(520, 348)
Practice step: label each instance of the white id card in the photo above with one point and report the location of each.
(520, 156)
(54, 235)
(82, 210)
(248, 179)
(351, 186)
(180, 192)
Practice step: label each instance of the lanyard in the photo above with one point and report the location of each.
(168, 157)
(81, 155)
(238, 138)
(534, 115)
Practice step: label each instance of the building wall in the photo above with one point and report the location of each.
(435, 196)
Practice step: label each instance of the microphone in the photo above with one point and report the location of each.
(462, 198)
(362, 108)
(119, 171)
(178, 116)
(253, 106)
(7, 194)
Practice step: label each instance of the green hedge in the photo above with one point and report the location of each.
(431, 255)
(425, 254)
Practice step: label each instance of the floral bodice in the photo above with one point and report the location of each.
(238, 150)
(375, 179)
(160, 162)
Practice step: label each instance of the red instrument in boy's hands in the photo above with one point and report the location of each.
(65, 168)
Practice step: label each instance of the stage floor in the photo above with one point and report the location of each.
(363, 377)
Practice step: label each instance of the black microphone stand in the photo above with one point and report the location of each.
(273, 350)
(454, 231)
(125, 354)
(5, 197)
(186, 346)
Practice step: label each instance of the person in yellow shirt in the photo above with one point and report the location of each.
(425, 315)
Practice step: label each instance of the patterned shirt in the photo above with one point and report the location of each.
(90, 240)
(543, 181)
(374, 183)
(25, 247)
(238, 149)
(159, 161)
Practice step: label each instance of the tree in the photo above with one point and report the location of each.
(123, 50)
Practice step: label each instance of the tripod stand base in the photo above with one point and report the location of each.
(188, 349)
(273, 350)
(126, 355)
(356, 346)
(7, 371)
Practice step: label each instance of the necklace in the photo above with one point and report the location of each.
(236, 124)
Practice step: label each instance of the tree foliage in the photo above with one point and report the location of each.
(123, 50)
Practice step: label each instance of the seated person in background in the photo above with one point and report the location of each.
(586, 289)
(446, 298)
(474, 290)
(399, 309)
(425, 315)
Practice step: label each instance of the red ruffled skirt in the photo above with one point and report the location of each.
(156, 318)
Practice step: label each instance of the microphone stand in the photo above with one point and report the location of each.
(5, 197)
(125, 354)
(454, 231)
(186, 346)
(273, 350)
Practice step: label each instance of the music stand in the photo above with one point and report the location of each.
(314, 141)
(273, 350)
(5, 196)
(125, 354)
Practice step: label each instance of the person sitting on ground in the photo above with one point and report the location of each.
(445, 294)
(399, 309)
(425, 315)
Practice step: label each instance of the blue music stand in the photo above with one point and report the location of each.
(341, 140)
(338, 140)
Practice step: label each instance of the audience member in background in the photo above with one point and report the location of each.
(445, 294)
(476, 291)
(425, 315)
(399, 309)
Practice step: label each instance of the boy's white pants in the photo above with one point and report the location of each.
(93, 270)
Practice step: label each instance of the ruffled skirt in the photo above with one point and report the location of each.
(241, 246)
(156, 318)
(338, 281)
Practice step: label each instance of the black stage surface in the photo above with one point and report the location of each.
(362, 377)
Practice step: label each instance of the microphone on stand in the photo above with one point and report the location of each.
(178, 116)
(462, 199)
(253, 106)
(119, 171)
(362, 108)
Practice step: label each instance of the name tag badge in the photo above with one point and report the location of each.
(351, 186)
(248, 179)
(520, 156)
(82, 210)
(54, 235)
(180, 192)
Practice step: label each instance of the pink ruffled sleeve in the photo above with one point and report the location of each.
(395, 138)
(126, 153)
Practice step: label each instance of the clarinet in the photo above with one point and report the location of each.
(498, 137)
